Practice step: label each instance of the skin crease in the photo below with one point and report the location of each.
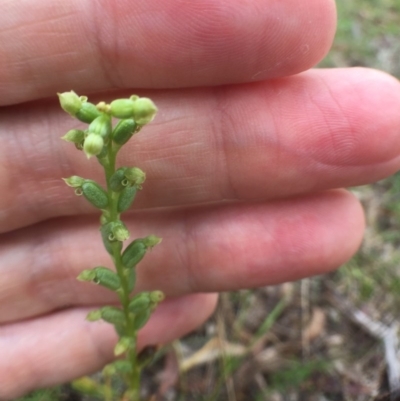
(243, 163)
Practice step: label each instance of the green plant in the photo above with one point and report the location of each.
(103, 141)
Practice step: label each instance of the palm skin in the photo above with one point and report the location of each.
(243, 163)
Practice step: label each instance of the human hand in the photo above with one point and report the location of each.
(248, 169)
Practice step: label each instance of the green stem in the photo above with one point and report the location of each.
(134, 382)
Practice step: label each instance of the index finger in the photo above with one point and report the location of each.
(97, 45)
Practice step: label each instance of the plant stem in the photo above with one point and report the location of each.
(109, 169)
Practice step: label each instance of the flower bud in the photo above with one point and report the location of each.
(93, 145)
(142, 318)
(95, 194)
(123, 131)
(123, 345)
(87, 113)
(102, 276)
(151, 241)
(86, 385)
(122, 366)
(126, 199)
(139, 302)
(156, 297)
(70, 102)
(144, 110)
(94, 315)
(117, 180)
(121, 108)
(113, 315)
(131, 275)
(87, 275)
(135, 176)
(119, 231)
(101, 126)
(109, 240)
(74, 181)
(133, 253)
(75, 136)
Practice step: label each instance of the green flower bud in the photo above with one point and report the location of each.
(87, 113)
(120, 329)
(109, 240)
(142, 318)
(126, 198)
(156, 297)
(74, 181)
(93, 145)
(105, 217)
(75, 136)
(151, 241)
(113, 315)
(122, 366)
(122, 108)
(134, 253)
(118, 179)
(123, 131)
(87, 275)
(101, 126)
(102, 276)
(135, 176)
(88, 386)
(144, 110)
(140, 302)
(123, 345)
(70, 102)
(131, 276)
(136, 250)
(94, 315)
(119, 231)
(95, 194)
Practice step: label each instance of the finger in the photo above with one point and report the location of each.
(205, 249)
(92, 46)
(63, 346)
(314, 131)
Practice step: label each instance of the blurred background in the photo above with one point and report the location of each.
(329, 338)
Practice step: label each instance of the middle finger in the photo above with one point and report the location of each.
(314, 131)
